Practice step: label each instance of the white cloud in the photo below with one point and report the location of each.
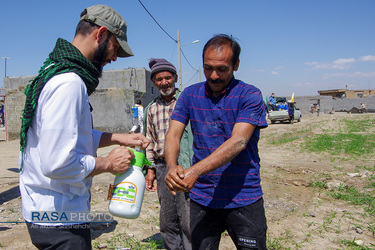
(302, 84)
(273, 71)
(317, 65)
(340, 64)
(367, 58)
(259, 70)
(357, 74)
(343, 61)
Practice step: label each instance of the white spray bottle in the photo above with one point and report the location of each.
(126, 194)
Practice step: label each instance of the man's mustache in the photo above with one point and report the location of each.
(215, 81)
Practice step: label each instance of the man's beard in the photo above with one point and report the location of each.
(168, 93)
(100, 55)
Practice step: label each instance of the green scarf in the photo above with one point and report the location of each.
(64, 58)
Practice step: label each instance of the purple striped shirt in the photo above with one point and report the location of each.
(237, 183)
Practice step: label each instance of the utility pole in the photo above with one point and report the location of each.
(200, 74)
(179, 60)
(179, 57)
(5, 58)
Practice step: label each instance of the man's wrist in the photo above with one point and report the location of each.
(151, 170)
(101, 166)
(114, 138)
(150, 166)
(107, 139)
(171, 166)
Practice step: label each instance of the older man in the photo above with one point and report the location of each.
(174, 210)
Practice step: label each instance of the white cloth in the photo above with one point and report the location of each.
(60, 150)
(138, 121)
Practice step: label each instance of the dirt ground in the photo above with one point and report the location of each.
(298, 216)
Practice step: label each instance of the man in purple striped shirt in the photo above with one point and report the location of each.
(226, 116)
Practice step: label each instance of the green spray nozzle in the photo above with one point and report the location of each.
(140, 159)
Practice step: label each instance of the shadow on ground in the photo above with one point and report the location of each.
(4, 228)
(10, 194)
(155, 238)
(98, 229)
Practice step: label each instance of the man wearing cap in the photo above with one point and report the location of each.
(174, 210)
(58, 143)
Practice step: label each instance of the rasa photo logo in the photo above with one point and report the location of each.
(70, 217)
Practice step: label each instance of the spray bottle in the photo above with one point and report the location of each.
(126, 194)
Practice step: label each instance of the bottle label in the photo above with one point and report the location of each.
(123, 191)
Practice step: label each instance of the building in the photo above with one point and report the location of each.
(341, 93)
(112, 100)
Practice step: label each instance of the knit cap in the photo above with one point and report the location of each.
(158, 64)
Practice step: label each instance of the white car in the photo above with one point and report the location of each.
(282, 115)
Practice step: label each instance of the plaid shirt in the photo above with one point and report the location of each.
(158, 119)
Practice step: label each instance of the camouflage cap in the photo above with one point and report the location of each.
(103, 15)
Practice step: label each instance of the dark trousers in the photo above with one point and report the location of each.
(60, 237)
(174, 213)
(246, 226)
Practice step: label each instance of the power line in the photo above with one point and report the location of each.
(192, 78)
(174, 48)
(157, 22)
(166, 33)
(188, 61)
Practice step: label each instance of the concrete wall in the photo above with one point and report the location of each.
(15, 102)
(16, 82)
(304, 103)
(117, 92)
(346, 104)
(329, 104)
(359, 93)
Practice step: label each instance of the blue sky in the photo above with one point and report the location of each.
(288, 46)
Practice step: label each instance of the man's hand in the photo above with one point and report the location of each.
(150, 179)
(190, 178)
(116, 162)
(120, 159)
(130, 140)
(175, 179)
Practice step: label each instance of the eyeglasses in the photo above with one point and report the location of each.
(167, 78)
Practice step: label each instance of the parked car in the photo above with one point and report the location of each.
(281, 114)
